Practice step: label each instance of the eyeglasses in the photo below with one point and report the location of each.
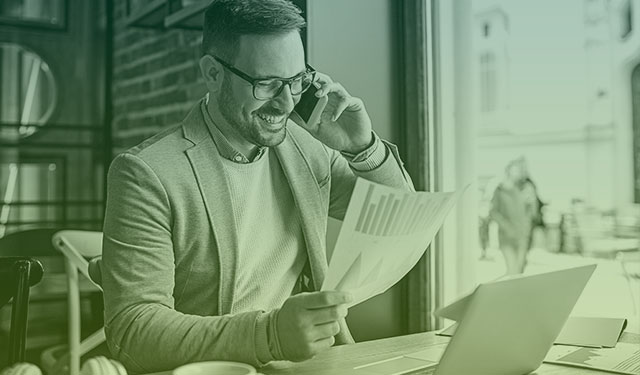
(269, 88)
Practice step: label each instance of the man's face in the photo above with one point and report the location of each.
(515, 172)
(261, 122)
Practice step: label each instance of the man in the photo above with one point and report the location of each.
(214, 245)
(508, 209)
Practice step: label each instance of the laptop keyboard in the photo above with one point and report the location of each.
(396, 366)
(422, 362)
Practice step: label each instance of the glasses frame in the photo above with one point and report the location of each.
(253, 81)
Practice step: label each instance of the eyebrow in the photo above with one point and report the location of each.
(278, 77)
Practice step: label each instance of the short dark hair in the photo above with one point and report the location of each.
(226, 20)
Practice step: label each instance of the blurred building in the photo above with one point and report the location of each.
(554, 83)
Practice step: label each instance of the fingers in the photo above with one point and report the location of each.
(308, 322)
(322, 80)
(326, 86)
(325, 331)
(344, 100)
(328, 315)
(324, 343)
(311, 349)
(319, 300)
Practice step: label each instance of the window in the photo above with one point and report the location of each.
(544, 96)
(46, 13)
(488, 82)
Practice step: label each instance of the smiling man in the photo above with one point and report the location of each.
(214, 245)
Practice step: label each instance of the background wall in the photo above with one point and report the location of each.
(353, 42)
(156, 79)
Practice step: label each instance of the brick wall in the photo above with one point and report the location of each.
(156, 79)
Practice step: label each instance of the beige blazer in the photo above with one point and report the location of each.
(167, 276)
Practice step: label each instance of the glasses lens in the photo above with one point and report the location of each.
(301, 84)
(267, 89)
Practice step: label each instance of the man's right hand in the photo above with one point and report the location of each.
(308, 322)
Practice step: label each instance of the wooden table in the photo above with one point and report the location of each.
(340, 360)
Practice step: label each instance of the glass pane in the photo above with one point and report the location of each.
(134, 5)
(28, 91)
(186, 3)
(549, 116)
(48, 12)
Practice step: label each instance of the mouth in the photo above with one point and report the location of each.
(272, 122)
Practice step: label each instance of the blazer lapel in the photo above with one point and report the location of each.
(306, 195)
(213, 185)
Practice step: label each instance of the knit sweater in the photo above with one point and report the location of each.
(270, 242)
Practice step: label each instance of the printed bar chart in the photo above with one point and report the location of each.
(393, 214)
(384, 234)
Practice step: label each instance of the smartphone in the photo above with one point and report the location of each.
(310, 107)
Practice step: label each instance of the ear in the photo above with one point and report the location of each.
(212, 72)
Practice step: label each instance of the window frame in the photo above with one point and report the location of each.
(34, 23)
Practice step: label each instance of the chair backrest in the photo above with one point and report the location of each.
(36, 243)
(80, 246)
(593, 224)
(30, 242)
(17, 275)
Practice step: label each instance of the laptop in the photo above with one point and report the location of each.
(504, 327)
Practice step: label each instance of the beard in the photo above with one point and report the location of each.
(252, 127)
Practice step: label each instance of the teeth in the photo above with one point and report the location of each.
(271, 119)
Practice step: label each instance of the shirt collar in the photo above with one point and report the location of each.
(225, 148)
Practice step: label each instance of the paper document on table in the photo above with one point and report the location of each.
(623, 359)
(384, 234)
(577, 331)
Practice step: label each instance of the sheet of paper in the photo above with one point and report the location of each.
(623, 359)
(593, 332)
(579, 331)
(384, 234)
(455, 311)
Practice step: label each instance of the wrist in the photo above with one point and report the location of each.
(358, 148)
(273, 338)
(263, 352)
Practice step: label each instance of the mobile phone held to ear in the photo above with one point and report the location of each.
(310, 107)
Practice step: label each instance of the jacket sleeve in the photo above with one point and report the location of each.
(343, 177)
(143, 329)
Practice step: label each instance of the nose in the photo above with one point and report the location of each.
(285, 99)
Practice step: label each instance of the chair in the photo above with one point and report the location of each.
(595, 235)
(630, 263)
(82, 251)
(17, 275)
(627, 221)
(30, 242)
(46, 318)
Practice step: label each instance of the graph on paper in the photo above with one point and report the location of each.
(623, 359)
(355, 277)
(384, 234)
(394, 214)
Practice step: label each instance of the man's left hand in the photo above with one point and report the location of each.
(344, 124)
